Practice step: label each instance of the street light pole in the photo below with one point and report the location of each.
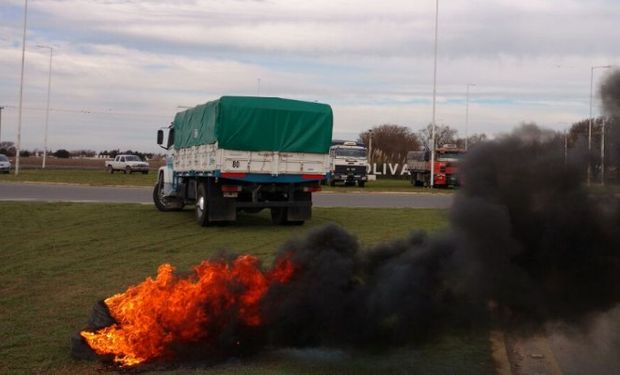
(21, 92)
(1, 108)
(47, 111)
(467, 115)
(603, 152)
(432, 179)
(590, 119)
(370, 149)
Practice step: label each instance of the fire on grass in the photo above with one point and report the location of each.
(160, 315)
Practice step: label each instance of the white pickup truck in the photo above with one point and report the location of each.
(127, 164)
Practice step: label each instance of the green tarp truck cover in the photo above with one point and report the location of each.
(256, 124)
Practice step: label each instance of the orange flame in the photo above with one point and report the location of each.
(168, 310)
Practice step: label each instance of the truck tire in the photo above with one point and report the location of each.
(361, 183)
(165, 204)
(110, 169)
(202, 211)
(127, 170)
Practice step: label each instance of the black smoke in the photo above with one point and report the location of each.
(528, 244)
(610, 96)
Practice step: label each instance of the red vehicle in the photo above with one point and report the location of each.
(447, 159)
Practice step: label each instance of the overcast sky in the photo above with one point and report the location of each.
(121, 68)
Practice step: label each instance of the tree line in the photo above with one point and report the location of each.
(391, 142)
(8, 148)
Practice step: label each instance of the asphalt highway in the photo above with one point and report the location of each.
(106, 194)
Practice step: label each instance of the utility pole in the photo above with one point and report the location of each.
(432, 179)
(590, 120)
(47, 112)
(565, 148)
(467, 115)
(1, 108)
(21, 92)
(370, 148)
(603, 151)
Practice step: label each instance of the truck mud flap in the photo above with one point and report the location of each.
(222, 209)
(299, 213)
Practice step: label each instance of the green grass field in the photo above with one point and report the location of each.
(58, 259)
(96, 177)
(93, 177)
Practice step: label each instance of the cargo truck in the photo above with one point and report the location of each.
(447, 159)
(245, 154)
(347, 163)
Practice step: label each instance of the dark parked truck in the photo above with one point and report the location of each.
(245, 154)
(447, 159)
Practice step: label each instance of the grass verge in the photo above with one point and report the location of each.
(92, 177)
(102, 178)
(58, 259)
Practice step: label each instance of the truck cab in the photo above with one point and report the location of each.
(447, 159)
(348, 163)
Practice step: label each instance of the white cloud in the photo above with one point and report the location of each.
(131, 63)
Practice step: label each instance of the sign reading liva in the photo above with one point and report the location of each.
(388, 169)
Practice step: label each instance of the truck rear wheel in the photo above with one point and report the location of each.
(202, 211)
(110, 169)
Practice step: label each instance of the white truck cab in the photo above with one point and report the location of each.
(348, 163)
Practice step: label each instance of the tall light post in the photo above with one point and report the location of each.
(432, 179)
(21, 92)
(1, 108)
(467, 115)
(370, 148)
(603, 151)
(47, 111)
(590, 120)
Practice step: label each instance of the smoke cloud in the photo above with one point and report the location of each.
(528, 244)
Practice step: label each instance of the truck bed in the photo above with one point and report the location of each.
(209, 159)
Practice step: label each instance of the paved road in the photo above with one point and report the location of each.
(77, 193)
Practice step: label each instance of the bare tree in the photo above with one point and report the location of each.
(472, 140)
(443, 135)
(390, 143)
(7, 148)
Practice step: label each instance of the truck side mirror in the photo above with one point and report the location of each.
(160, 137)
(171, 138)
